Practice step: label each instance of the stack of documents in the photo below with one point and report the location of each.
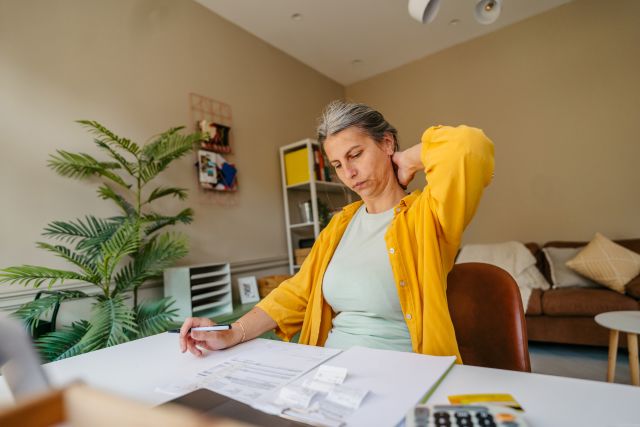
(322, 386)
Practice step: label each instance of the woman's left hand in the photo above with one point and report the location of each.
(408, 163)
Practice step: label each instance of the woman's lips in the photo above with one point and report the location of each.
(359, 185)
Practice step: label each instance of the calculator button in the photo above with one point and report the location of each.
(505, 417)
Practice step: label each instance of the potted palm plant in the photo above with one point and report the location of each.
(116, 254)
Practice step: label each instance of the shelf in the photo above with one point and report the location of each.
(210, 284)
(330, 187)
(212, 273)
(212, 305)
(304, 173)
(222, 291)
(199, 287)
(301, 225)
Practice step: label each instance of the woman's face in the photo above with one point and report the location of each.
(361, 164)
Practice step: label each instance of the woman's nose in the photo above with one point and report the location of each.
(351, 172)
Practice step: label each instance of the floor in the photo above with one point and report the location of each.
(577, 361)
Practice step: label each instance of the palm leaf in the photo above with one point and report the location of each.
(89, 233)
(150, 150)
(111, 323)
(154, 317)
(81, 229)
(164, 152)
(111, 138)
(107, 193)
(175, 147)
(180, 193)
(128, 166)
(73, 165)
(86, 264)
(158, 253)
(125, 241)
(158, 221)
(32, 312)
(35, 276)
(63, 343)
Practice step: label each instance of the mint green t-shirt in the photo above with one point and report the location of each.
(359, 287)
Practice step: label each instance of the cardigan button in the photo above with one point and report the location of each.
(392, 251)
(402, 283)
(408, 316)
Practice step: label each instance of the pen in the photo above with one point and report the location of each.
(222, 327)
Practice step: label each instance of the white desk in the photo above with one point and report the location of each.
(135, 369)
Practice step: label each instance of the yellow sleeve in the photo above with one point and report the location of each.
(459, 164)
(287, 304)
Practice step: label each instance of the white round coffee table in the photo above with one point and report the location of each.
(622, 321)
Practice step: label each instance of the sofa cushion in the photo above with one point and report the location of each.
(607, 263)
(534, 306)
(633, 288)
(561, 275)
(584, 302)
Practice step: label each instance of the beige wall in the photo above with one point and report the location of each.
(559, 94)
(130, 65)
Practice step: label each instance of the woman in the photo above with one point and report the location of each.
(376, 275)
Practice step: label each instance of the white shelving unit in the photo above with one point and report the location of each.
(200, 290)
(333, 193)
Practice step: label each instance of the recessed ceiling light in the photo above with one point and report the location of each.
(296, 17)
(454, 21)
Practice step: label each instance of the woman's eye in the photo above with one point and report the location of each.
(356, 155)
(337, 166)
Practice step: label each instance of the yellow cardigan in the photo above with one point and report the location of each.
(422, 241)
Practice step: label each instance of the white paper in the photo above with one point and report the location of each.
(259, 371)
(349, 397)
(331, 374)
(296, 396)
(320, 386)
(396, 381)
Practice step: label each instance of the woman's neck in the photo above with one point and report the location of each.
(386, 200)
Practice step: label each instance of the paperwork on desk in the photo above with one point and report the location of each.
(328, 387)
(264, 367)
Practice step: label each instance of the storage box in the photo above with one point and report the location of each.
(301, 254)
(268, 283)
(296, 166)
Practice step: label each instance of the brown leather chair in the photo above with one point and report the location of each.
(486, 309)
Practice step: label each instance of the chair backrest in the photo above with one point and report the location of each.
(486, 310)
(19, 362)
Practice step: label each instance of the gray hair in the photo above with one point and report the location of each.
(340, 115)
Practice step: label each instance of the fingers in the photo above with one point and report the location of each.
(191, 322)
(191, 345)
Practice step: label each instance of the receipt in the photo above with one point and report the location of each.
(348, 397)
(320, 386)
(295, 395)
(331, 374)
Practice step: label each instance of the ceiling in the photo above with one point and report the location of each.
(351, 40)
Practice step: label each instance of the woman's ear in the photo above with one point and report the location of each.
(388, 144)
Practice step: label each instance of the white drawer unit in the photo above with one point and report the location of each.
(200, 290)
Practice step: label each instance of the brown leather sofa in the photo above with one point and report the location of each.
(566, 315)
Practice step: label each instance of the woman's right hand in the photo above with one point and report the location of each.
(210, 340)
